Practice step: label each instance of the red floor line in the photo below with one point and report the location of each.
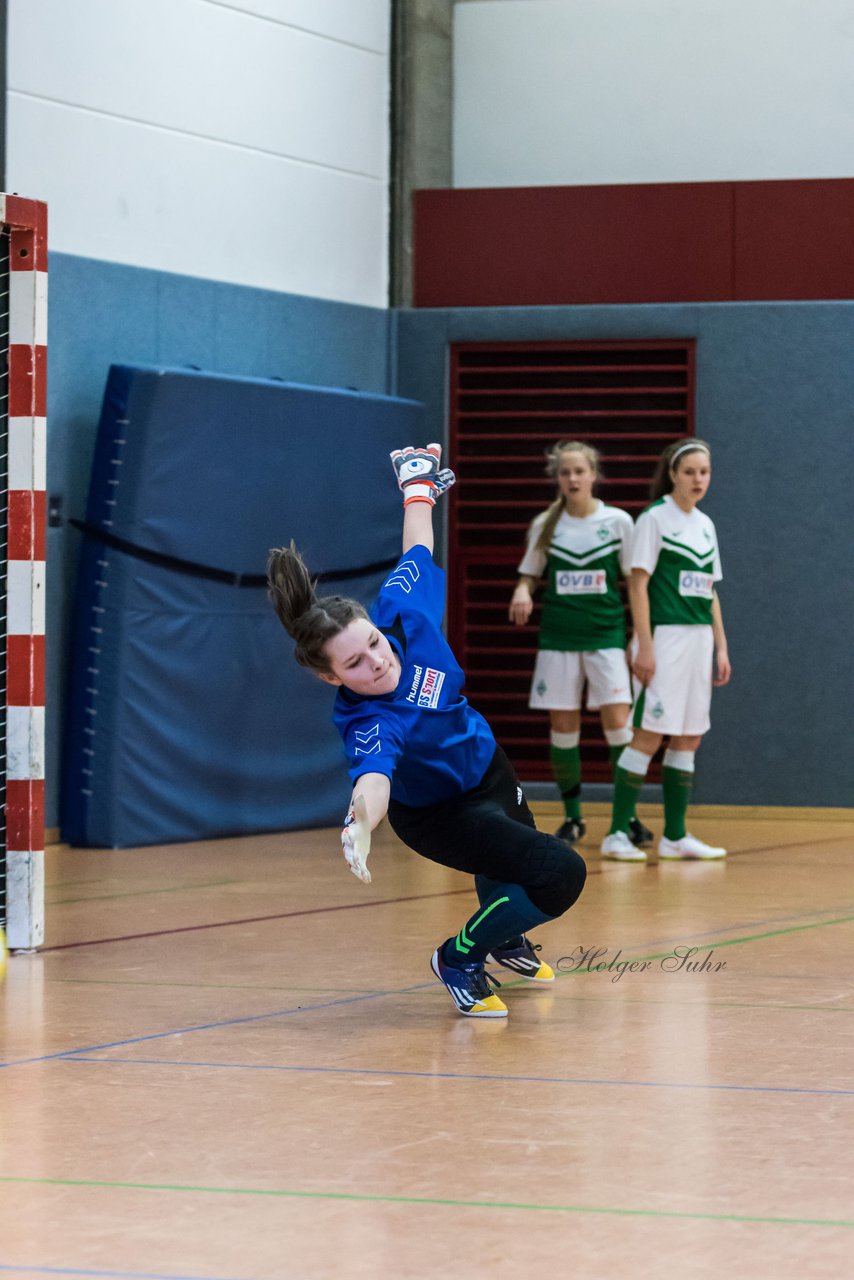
(282, 915)
(355, 906)
(795, 844)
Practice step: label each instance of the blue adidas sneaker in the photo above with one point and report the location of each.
(523, 961)
(469, 988)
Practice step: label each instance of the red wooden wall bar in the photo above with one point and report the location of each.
(657, 242)
(508, 403)
(793, 240)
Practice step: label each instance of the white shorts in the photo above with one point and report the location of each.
(678, 698)
(558, 680)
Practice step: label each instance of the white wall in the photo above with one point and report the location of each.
(245, 142)
(564, 92)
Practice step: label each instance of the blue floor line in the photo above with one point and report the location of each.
(737, 928)
(211, 1026)
(460, 1075)
(373, 995)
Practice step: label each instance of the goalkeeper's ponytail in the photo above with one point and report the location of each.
(310, 619)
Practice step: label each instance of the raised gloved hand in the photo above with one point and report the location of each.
(356, 840)
(418, 473)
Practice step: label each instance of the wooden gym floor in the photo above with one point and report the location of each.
(231, 1062)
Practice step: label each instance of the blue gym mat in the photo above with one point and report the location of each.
(188, 717)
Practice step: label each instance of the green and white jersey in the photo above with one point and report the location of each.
(679, 550)
(582, 608)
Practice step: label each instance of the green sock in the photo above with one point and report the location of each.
(566, 767)
(626, 788)
(677, 785)
(615, 753)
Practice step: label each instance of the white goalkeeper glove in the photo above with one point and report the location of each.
(356, 840)
(418, 473)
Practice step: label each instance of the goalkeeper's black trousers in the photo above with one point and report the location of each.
(490, 832)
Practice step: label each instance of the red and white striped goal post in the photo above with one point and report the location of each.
(26, 223)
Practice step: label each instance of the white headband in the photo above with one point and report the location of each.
(686, 448)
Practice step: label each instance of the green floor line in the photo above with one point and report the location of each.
(773, 933)
(333, 988)
(430, 1200)
(706, 946)
(342, 988)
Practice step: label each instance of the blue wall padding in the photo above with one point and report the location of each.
(188, 716)
(212, 466)
(138, 316)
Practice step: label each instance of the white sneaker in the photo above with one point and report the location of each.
(689, 847)
(619, 847)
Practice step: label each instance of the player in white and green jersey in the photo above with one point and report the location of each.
(582, 548)
(678, 629)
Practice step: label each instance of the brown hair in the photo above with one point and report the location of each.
(310, 619)
(557, 508)
(662, 481)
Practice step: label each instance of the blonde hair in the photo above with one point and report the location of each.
(557, 508)
(662, 481)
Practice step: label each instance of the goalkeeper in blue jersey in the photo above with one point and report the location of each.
(419, 753)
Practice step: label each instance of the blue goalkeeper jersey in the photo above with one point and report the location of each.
(424, 737)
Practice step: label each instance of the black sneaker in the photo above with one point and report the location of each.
(573, 829)
(523, 961)
(639, 834)
(469, 988)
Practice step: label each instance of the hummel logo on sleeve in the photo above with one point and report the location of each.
(404, 576)
(364, 737)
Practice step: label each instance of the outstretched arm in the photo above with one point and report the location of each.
(418, 526)
(421, 480)
(368, 807)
